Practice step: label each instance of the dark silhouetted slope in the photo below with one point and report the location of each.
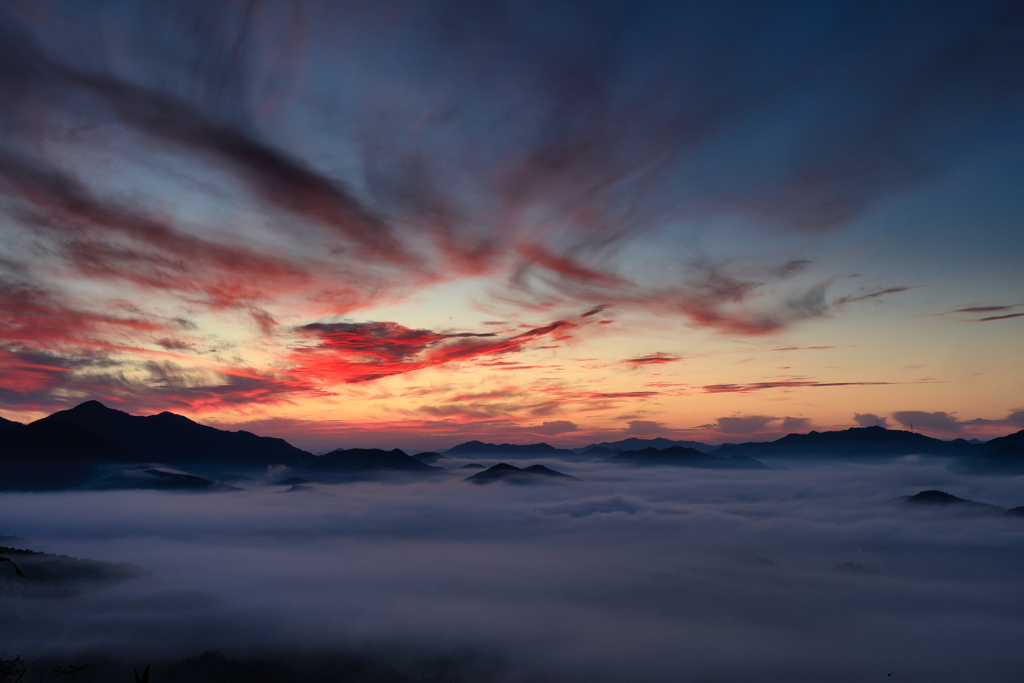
(1015, 440)
(172, 438)
(60, 442)
(515, 475)
(1006, 459)
(508, 450)
(54, 455)
(680, 456)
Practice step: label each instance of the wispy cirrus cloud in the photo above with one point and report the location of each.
(783, 384)
(658, 358)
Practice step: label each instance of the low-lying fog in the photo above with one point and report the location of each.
(658, 574)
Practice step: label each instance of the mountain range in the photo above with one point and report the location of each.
(93, 443)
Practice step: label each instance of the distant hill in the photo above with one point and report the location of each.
(680, 456)
(515, 475)
(856, 441)
(508, 450)
(362, 461)
(171, 438)
(635, 444)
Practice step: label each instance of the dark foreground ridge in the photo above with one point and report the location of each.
(41, 571)
(680, 456)
(516, 475)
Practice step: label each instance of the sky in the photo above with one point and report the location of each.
(413, 224)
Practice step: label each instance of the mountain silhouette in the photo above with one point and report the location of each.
(507, 450)
(516, 475)
(680, 456)
(856, 441)
(635, 444)
(171, 438)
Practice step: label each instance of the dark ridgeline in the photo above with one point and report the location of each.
(509, 450)
(609, 448)
(511, 474)
(680, 456)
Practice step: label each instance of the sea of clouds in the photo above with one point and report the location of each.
(626, 574)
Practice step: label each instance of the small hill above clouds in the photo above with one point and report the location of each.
(511, 474)
(508, 450)
(171, 438)
(940, 499)
(635, 444)
(680, 456)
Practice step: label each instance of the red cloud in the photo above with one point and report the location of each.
(347, 353)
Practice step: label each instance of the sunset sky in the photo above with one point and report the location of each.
(413, 224)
